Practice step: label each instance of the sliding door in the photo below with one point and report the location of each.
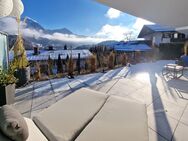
(3, 51)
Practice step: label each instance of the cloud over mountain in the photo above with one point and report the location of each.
(35, 33)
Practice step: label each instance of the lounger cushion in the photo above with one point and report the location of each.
(3, 137)
(65, 120)
(118, 120)
(34, 133)
(173, 67)
(13, 124)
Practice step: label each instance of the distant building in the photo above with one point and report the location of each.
(161, 34)
(53, 54)
(132, 46)
(137, 51)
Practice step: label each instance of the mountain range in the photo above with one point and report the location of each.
(36, 35)
(32, 24)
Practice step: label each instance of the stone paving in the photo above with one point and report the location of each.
(39, 95)
(166, 99)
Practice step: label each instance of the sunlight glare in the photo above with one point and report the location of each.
(144, 77)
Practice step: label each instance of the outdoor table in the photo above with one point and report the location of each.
(173, 70)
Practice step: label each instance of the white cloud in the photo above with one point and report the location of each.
(137, 26)
(72, 38)
(113, 32)
(113, 13)
(27, 32)
(121, 32)
(10, 26)
(107, 32)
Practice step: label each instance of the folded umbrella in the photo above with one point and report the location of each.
(6, 7)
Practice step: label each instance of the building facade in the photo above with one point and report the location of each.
(161, 34)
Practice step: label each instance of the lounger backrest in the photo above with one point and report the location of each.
(65, 120)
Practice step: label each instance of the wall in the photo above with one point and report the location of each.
(156, 38)
(171, 50)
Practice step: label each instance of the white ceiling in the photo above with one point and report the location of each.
(165, 12)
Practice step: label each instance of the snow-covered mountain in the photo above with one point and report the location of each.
(32, 24)
(62, 30)
(109, 43)
(34, 33)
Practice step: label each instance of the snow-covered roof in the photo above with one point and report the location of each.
(159, 28)
(44, 55)
(149, 29)
(132, 46)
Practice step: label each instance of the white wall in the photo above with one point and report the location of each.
(156, 38)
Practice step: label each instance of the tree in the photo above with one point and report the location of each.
(50, 66)
(115, 58)
(38, 72)
(20, 59)
(71, 67)
(65, 47)
(92, 61)
(124, 59)
(111, 60)
(59, 65)
(78, 63)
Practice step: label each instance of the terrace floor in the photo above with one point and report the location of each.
(166, 99)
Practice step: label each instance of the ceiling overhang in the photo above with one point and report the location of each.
(163, 12)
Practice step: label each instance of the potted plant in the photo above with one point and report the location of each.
(7, 86)
(20, 63)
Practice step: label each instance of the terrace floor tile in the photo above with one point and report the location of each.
(153, 136)
(181, 133)
(162, 124)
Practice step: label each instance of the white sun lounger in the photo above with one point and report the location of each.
(87, 115)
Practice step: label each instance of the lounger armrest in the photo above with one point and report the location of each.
(34, 133)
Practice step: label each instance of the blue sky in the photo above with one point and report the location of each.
(85, 17)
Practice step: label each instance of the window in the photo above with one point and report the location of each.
(175, 35)
(3, 51)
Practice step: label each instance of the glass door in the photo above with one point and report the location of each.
(3, 51)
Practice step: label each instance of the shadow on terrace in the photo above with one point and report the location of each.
(161, 120)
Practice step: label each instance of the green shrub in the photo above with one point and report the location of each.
(50, 66)
(7, 76)
(111, 60)
(59, 65)
(92, 63)
(124, 59)
(38, 71)
(20, 59)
